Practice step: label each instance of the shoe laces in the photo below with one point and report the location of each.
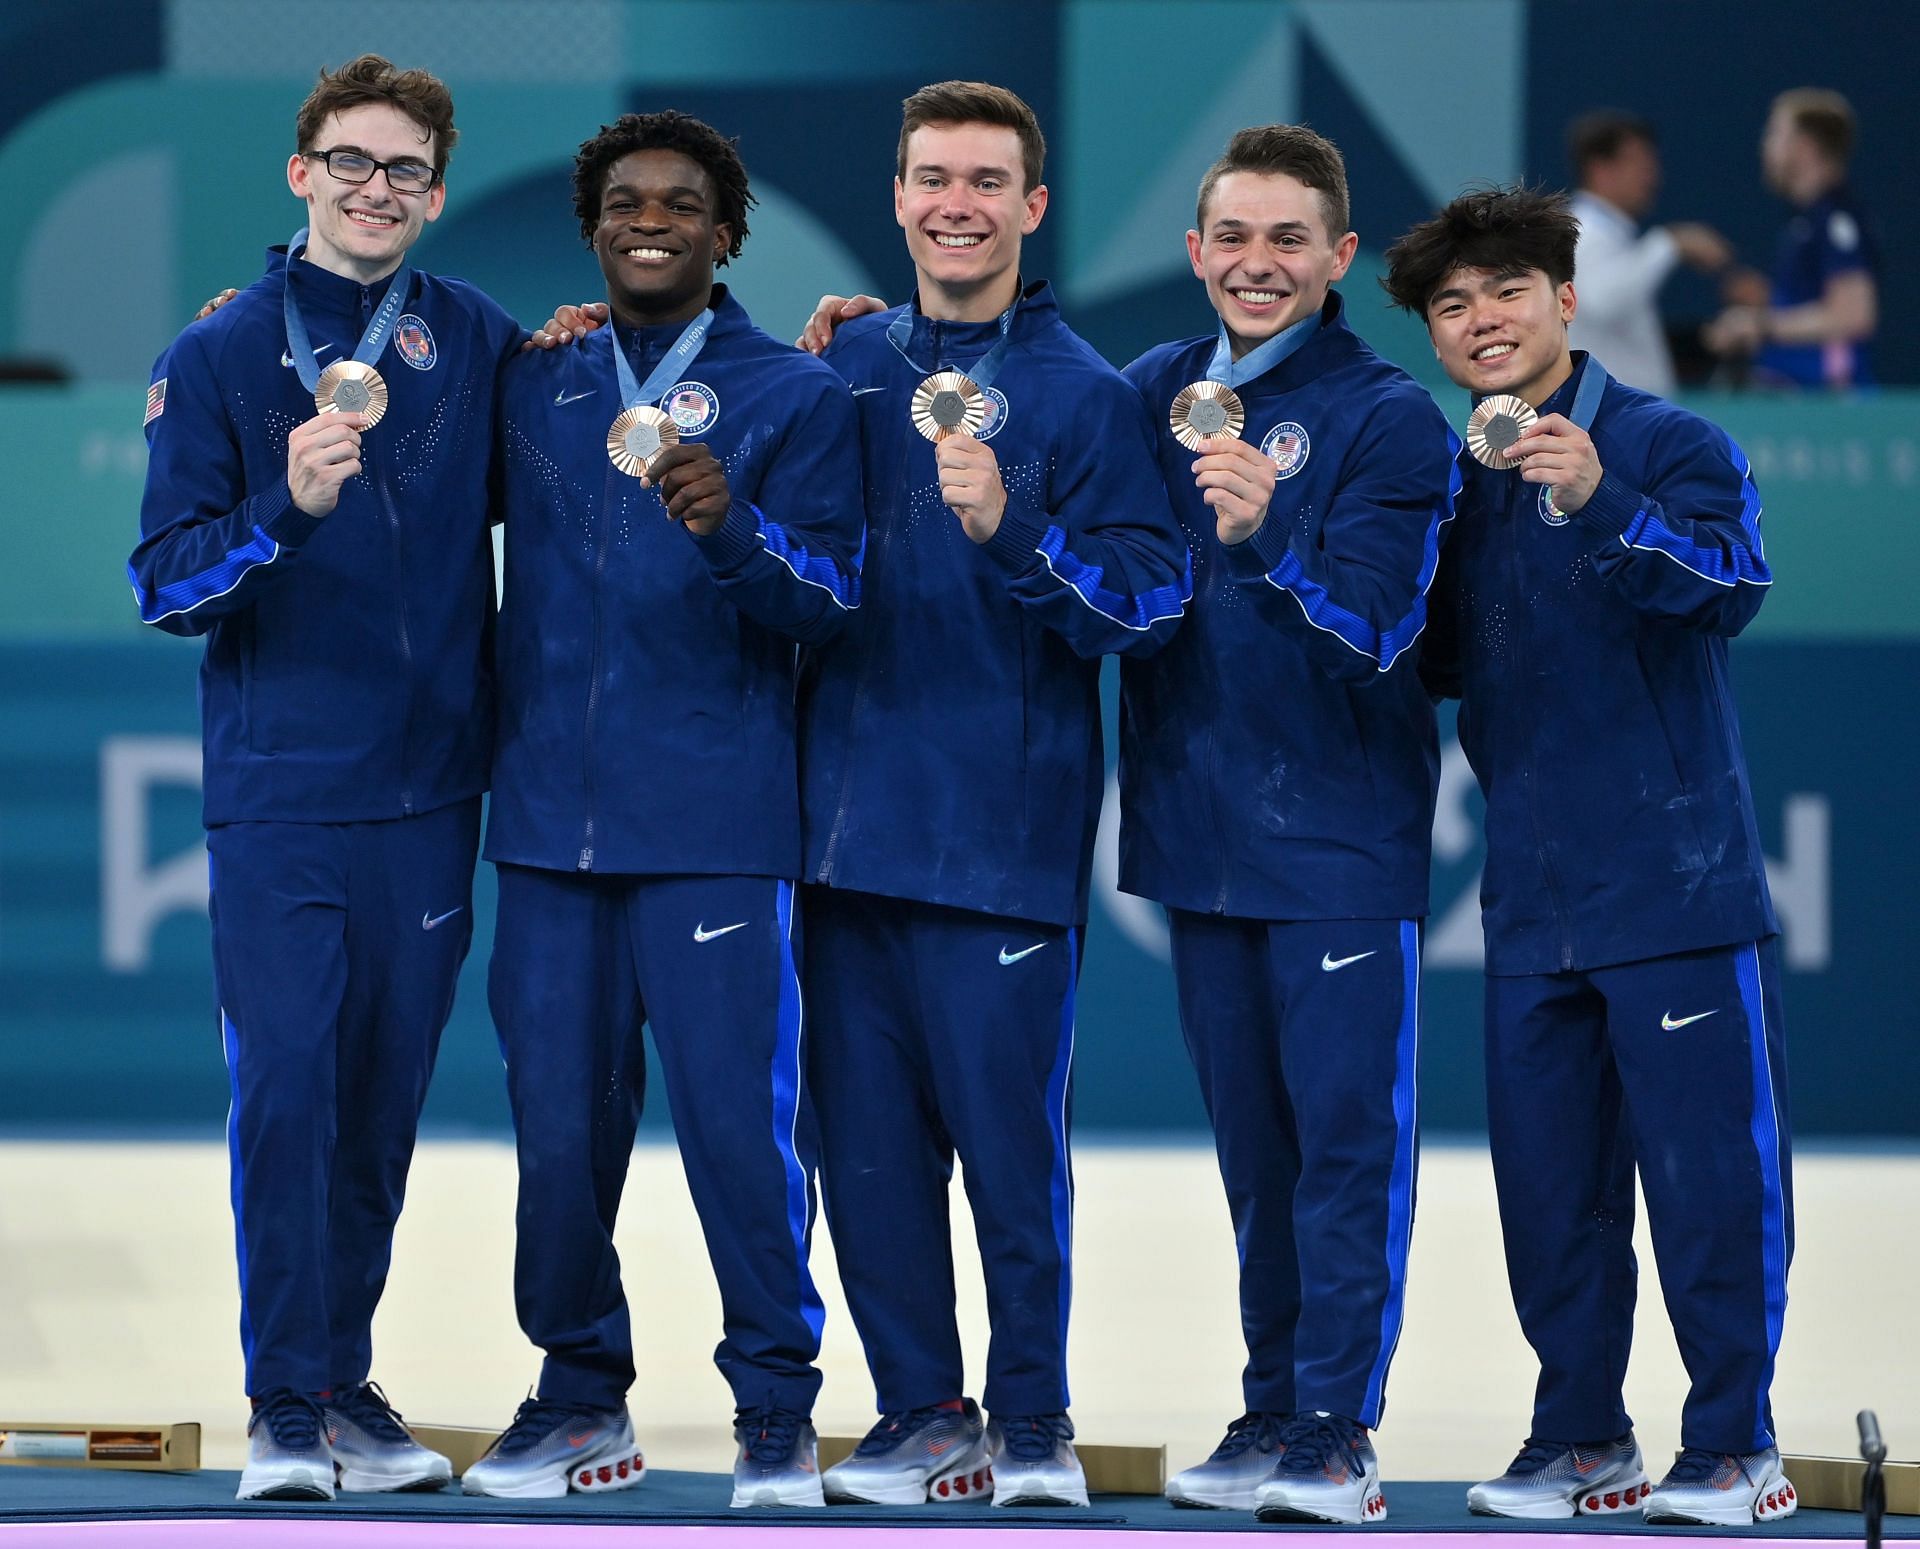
(896, 1423)
(1254, 1429)
(769, 1435)
(535, 1420)
(1033, 1437)
(1535, 1455)
(1310, 1441)
(1695, 1465)
(369, 1408)
(292, 1419)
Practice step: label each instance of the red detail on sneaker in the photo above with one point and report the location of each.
(960, 1485)
(955, 1405)
(606, 1474)
(1613, 1500)
(586, 1477)
(942, 1488)
(1790, 1495)
(621, 1470)
(1593, 1503)
(982, 1477)
(1632, 1495)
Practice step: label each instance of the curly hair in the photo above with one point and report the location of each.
(422, 97)
(1504, 230)
(666, 130)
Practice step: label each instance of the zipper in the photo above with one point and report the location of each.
(406, 636)
(1547, 871)
(870, 573)
(585, 860)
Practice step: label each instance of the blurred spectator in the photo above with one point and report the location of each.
(1618, 268)
(1812, 324)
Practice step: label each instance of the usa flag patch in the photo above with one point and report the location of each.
(156, 402)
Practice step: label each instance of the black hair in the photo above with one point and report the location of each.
(666, 130)
(1509, 231)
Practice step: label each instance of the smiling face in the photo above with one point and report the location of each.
(962, 207)
(657, 239)
(364, 230)
(1503, 333)
(1265, 254)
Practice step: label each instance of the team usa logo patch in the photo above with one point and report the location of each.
(156, 402)
(1288, 445)
(996, 415)
(1551, 514)
(693, 407)
(414, 340)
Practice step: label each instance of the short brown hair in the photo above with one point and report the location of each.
(975, 102)
(1824, 117)
(1508, 231)
(422, 97)
(1285, 150)
(1602, 135)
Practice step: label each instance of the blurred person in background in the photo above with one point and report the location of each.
(1616, 162)
(1812, 324)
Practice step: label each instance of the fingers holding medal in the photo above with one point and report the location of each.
(948, 403)
(692, 485)
(1205, 409)
(1496, 427)
(352, 387)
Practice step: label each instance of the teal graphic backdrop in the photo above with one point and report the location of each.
(142, 151)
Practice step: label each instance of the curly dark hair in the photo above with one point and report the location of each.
(666, 130)
(1505, 230)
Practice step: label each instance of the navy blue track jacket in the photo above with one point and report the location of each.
(1278, 760)
(1590, 657)
(346, 674)
(950, 743)
(647, 675)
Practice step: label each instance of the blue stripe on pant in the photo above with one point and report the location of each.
(939, 1031)
(1305, 1037)
(1679, 1063)
(580, 962)
(333, 991)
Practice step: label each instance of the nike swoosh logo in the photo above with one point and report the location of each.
(1007, 957)
(428, 921)
(1329, 963)
(579, 1438)
(861, 392)
(287, 360)
(562, 399)
(1671, 1025)
(701, 933)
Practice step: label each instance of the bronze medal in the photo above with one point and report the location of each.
(1205, 409)
(1495, 424)
(948, 403)
(349, 387)
(638, 436)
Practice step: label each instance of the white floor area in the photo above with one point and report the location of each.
(117, 1302)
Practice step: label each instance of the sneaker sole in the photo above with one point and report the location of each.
(356, 1481)
(301, 1487)
(1371, 1510)
(620, 1470)
(1023, 1492)
(970, 1480)
(1235, 1500)
(770, 1495)
(1776, 1499)
(1592, 1503)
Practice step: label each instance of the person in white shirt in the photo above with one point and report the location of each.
(1616, 159)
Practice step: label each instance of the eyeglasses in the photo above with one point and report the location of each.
(403, 177)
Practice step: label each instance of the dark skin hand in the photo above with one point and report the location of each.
(692, 486)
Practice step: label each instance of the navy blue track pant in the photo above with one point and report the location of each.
(336, 947)
(1305, 1036)
(939, 1031)
(1678, 1062)
(580, 962)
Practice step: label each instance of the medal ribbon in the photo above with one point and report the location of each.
(1228, 372)
(981, 373)
(372, 342)
(1586, 397)
(633, 393)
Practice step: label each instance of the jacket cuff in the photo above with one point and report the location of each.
(1611, 508)
(732, 543)
(275, 514)
(1015, 544)
(1256, 557)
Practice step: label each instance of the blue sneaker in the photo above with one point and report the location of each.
(1558, 1479)
(553, 1448)
(1034, 1463)
(373, 1449)
(1723, 1489)
(288, 1458)
(1239, 1466)
(914, 1456)
(1326, 1473)
(778, 1463)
